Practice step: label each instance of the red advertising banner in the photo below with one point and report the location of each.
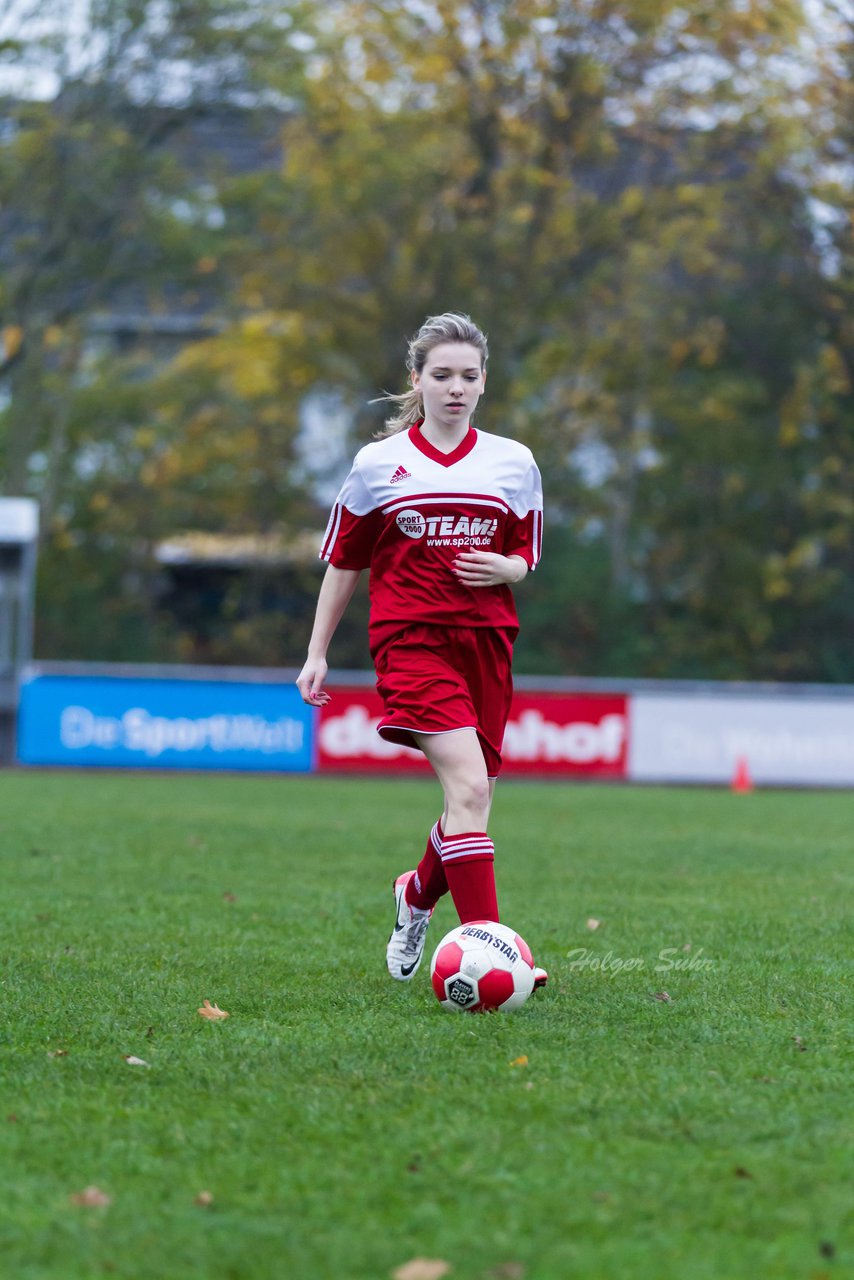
(347, 736)
(565, 734)
(548, 734)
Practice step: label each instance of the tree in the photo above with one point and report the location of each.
(606, 191)
(93, 200)
(624, 195)
(104, 208)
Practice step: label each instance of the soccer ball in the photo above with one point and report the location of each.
(482, 966)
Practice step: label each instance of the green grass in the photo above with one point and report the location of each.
(345, 1124)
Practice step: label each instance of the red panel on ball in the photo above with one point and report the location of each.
(524, 951)
(438, 986)
(448, 962)
(495, 987)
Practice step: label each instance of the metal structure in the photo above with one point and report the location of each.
(19, 527)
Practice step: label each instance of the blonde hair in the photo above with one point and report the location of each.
(451, 326)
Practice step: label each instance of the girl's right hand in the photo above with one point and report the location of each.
(310, 682)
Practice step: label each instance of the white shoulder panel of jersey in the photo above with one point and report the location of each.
(386, 465)
(503, 445)
(374, 459)
(515, 464)
(393, 467)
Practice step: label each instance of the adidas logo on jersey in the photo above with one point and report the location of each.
(400, 474)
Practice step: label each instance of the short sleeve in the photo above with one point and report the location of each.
(524, 533)
(354, 525)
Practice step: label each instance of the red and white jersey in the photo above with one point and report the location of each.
(406, 510)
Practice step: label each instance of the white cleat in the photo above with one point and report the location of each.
(405, 948)
(540, 978)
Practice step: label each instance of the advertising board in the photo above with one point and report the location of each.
(548, 734)
(163, 724)
(256, 721)
(799, 741)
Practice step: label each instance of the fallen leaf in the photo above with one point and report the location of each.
(204, 1199)
(520, 1062)
(12, 1118)
(133, 1061)
(687, 946)
(799, 1044)
(421, 1269)
(741, 1172)
(230, 897)
(662, 996)
(593, 923)
(91, 1198)
(212, 1011)
(58, 1053)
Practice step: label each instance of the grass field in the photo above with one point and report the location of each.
(342, 1124)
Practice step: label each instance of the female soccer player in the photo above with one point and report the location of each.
(446, 518)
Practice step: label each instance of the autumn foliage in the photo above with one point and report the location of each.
(647, 206)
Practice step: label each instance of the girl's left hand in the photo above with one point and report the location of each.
(487, 569)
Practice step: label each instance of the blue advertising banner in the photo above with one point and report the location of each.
(164, 724)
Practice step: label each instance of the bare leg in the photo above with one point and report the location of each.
(492, 782)
(467, 851)
(459, 765)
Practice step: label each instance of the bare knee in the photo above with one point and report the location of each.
(467, 799)
(460, 767)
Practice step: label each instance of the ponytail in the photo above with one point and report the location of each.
(411, 410)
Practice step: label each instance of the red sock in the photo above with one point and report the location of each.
(469, 860)
(428, 884)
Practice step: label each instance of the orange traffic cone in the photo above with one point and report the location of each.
(742, 782)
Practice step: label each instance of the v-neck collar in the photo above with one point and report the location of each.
(424, 446)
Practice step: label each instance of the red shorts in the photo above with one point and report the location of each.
(439, 679)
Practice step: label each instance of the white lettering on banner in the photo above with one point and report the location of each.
(700, 738)
(787, 748)
(684, 744)
(138, 730)
(532, 737)
(79, 728)
(355, 734)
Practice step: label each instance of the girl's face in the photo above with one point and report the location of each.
(451, 383)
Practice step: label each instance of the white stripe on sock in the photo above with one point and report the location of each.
(482, 854)
(458, 842)
(452, 848)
